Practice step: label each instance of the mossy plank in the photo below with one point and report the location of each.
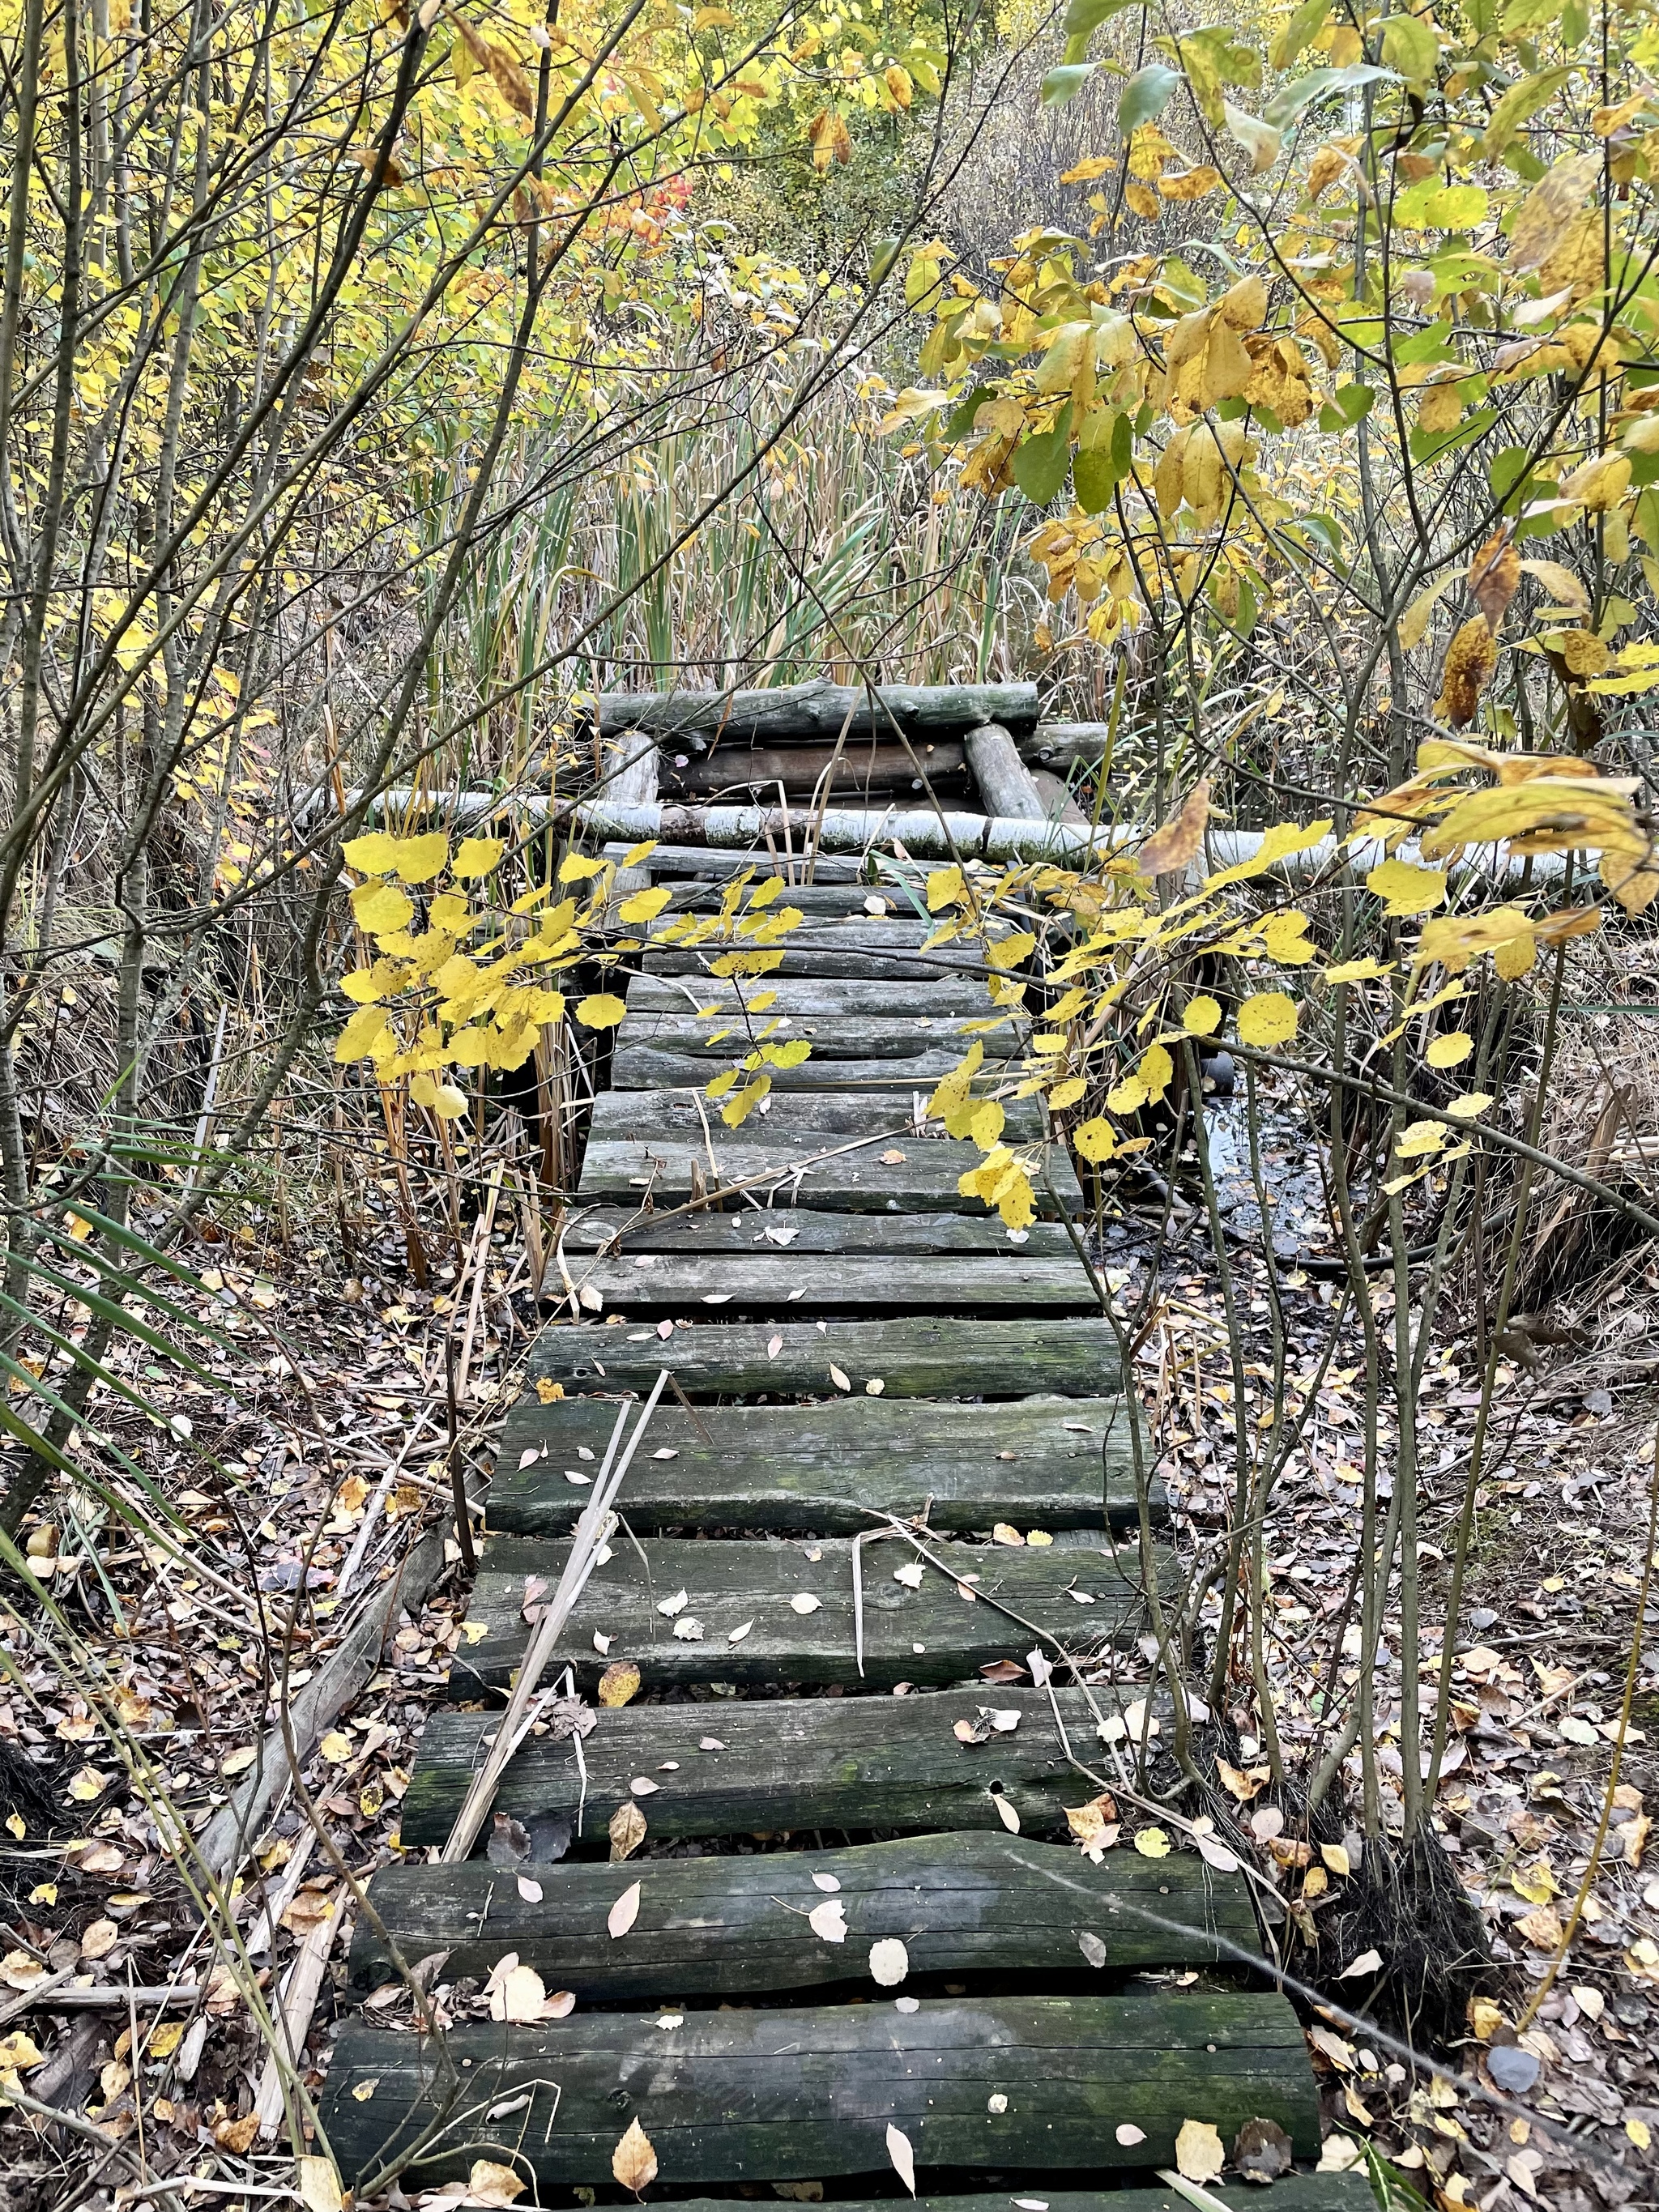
(772, 1613)
(675, 1284)
(798, 1122)
(635, 1068)
(941, 999)
(925, 1177)
(822, 1470)
(1039, 2083)
(783, 1766)
(1292, 2192)
(804, 1229)
(965, 1903)
(935, 1356)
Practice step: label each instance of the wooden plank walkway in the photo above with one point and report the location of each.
(860, 1905)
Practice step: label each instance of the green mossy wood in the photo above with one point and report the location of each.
(911, 1358)
(969, 1903)
(785, 1766)
(734, 2096)
(827, 1469)
(775, 1614)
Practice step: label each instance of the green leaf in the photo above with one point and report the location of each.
(1146, 96)
(1299, 34)
(1410, 47)
(1431, 204)
(1062, 84)
(1083, 19)
(1040, 463)
(1519, 105)
(1260, 140)
(960, 423)
(884, 252)
(1293, 99)
(1102, 461)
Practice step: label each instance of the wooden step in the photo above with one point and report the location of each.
(925, 1357)
(871, 1036)
(786, 1765)
(670, 1282)
(742, 1594)
(800, 1123)
(702, 894)
(945, 1001)
(821, 1470)
(635, 1068)
(792, 1228)
(968, 1903)
(1292, 2192)
(1044, 2084)
(923, 1178)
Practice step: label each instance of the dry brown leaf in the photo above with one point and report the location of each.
(620, 1918)
(1562, 585)
(1494, 572)
(619, 1682)
(1190, 184)
(1470, 660)
(633, 2161)
(491, 2184)
(1177, 843)
(516, 1995)
(237, 2135)
(628, 1830)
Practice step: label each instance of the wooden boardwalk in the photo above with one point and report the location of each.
(860, 1906)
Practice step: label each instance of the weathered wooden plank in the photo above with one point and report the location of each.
(835, 1284)
(710, 864)
(801, 1122)
(810, 2093)
(1292, 2192)
(801, 1228)
(816, 710)
(786, 1765)
(701, 894)
(864, 771)
(924, 1179)
(821, 1470)
(745, 1600)
(966, 1903)
(942, 1000)
(650, 1068)
(808, 956)
(934, 1356)
(891, 1035)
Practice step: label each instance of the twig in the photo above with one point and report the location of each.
(292, 2024)
(579, 1565)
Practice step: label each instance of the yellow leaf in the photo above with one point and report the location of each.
(476, 857)
(634, 2162)
(577, 867)
(88, 1785)
(1365, 971)
(1199, 2153)
(1157, 1071)
(1535, 1883)
(1095, 1139)
(944, 888)
(419, 858)
(1639, 2133)
(1451, 1050)
(1406, 889)
(1267, 1018)
(646, 906)
(376, 854)
(1153, 1844)
(619, 1682)
(601, 1011)
(381, 909)
(336, 1747)
(1201, 1016)
(1067, 1093)
(1335, 1856)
